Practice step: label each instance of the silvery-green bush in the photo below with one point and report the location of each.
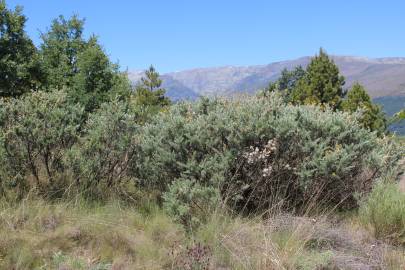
(36, 132)
(257, 150)
(189, 202)
(100, 159)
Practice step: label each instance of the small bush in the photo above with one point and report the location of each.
(384, 212)
(189, 203)
(36, 132)
(100, 160)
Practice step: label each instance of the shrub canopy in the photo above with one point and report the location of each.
(259, 149)
(36, 132)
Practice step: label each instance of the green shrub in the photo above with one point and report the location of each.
(314, 153)
(189, 203)
(100, 160)
(308, 156)
(184, 144)
(384, 212)
(36, 132)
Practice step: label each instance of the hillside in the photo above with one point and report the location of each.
(381, 76)
(392, 105)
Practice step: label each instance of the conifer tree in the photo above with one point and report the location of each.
(322, 83)
(149, 91)
(372, 116)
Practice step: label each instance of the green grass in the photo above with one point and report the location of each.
(384, 213)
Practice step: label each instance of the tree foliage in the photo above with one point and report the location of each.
(401, 114)
(97, 79)
(372, 117)
(19, 67)
(149, 96)
(60, 48)
(149, 92)
(78, 65)
(322, 83)
(287, 82)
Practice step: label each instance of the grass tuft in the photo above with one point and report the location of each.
(383, 212)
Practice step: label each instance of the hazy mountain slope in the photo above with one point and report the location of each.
(174, 89)
(271, 72)
(212, 81)
(381, 76)
(382, 79)
(392, 105)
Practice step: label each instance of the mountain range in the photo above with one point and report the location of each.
(384, 79)
(380, 76)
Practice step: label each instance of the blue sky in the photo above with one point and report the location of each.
(176, 35)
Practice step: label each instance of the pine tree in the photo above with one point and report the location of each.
(149, 91)
(19, 67)
(357, 97)
(322, 83)
(372, 116)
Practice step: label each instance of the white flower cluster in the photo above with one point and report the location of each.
(255, 155)
(267, 171)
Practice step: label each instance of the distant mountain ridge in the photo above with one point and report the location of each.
(380, 76)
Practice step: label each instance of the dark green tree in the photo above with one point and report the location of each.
(19, 66)
(287, 82)
(372, 117)
(357, 97)
(149, 92)
(60, 48)
(95, 78)
(322, 83)
(79, 65)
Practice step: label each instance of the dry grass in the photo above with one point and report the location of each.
(75, 235)
(271, 245)
(290, 242)
(34, 235)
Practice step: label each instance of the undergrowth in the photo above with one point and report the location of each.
(80, 235)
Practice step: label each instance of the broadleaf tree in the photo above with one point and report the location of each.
(19, 66)
(79, 65)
